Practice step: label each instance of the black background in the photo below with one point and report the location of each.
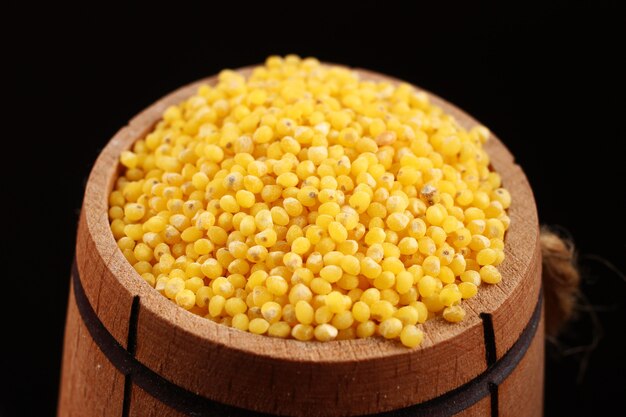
(546, 78)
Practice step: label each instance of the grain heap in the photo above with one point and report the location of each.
(305, 202)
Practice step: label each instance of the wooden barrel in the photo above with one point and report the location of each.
(129, 351)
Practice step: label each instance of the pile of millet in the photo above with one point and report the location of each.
(305, 202)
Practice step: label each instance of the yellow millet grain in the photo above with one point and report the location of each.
(306, 202)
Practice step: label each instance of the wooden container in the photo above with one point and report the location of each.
(131, 351)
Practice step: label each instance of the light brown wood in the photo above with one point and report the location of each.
(288, 377)
(143, 404)
(91, 386)
(521, 394)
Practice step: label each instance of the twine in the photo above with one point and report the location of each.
(561, 279)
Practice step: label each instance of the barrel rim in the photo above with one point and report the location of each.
(488, 300)
(180, 399)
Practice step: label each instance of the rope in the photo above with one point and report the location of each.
(561, 279)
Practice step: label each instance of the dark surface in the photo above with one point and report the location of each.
(547, 79)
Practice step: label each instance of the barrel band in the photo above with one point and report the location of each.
(187, 402)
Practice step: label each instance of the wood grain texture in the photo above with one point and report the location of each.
(526, 382)
(288, 377)
(91, 386)
(143, 404)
